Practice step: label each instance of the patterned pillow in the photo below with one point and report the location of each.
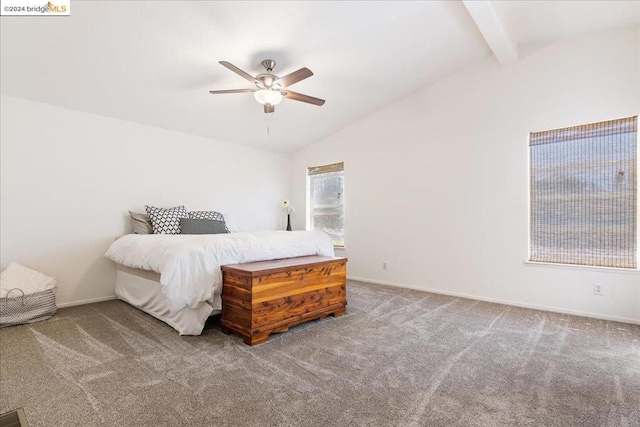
(212, 215)
(166, 221)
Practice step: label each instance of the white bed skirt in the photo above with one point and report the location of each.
(142, 289)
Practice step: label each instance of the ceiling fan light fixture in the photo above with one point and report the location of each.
(268, 96)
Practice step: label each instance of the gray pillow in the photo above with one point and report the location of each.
(209, 215)
(202, 226)
(141, 223)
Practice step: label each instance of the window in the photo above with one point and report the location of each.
(325, 186)
(583, 207)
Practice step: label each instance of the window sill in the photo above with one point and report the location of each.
(583, 267)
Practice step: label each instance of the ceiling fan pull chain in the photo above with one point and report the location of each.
(268, 122)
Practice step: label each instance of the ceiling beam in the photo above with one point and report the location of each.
(503, 47)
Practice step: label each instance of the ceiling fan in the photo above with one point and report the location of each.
(270, 89)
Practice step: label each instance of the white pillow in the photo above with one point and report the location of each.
(232, 225)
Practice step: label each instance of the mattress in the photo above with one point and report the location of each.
(142, 289)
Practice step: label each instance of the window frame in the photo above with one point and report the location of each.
(328, 168)
(584, 267)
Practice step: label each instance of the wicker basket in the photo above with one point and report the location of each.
(26, 308)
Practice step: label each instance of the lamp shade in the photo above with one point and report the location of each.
(268, 96)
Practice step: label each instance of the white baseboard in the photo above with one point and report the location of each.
(86, 301)
(500, 301)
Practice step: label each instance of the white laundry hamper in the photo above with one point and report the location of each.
(21, 309)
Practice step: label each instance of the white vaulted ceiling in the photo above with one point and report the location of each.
(154, 62)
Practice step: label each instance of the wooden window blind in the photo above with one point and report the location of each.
(583, 201)
(326, 200)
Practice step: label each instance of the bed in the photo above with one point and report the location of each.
(177, 278)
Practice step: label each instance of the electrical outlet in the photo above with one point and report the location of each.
(598, 289)
(384, 265)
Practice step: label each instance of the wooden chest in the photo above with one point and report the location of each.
(271, 296)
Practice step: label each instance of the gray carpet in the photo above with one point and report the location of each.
(397, 358)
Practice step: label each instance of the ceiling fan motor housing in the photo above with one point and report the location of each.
(267, 78)
(266, 81)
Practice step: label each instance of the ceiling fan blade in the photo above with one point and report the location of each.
(300, 97)
(239, 72)
(268, 108)
(217, 92)
(294, 77)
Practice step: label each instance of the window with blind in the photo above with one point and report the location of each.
(325, 186)
(583, 206)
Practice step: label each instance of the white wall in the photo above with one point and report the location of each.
(436, 184)
(68, 179)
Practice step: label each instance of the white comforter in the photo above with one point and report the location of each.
(189, 265)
